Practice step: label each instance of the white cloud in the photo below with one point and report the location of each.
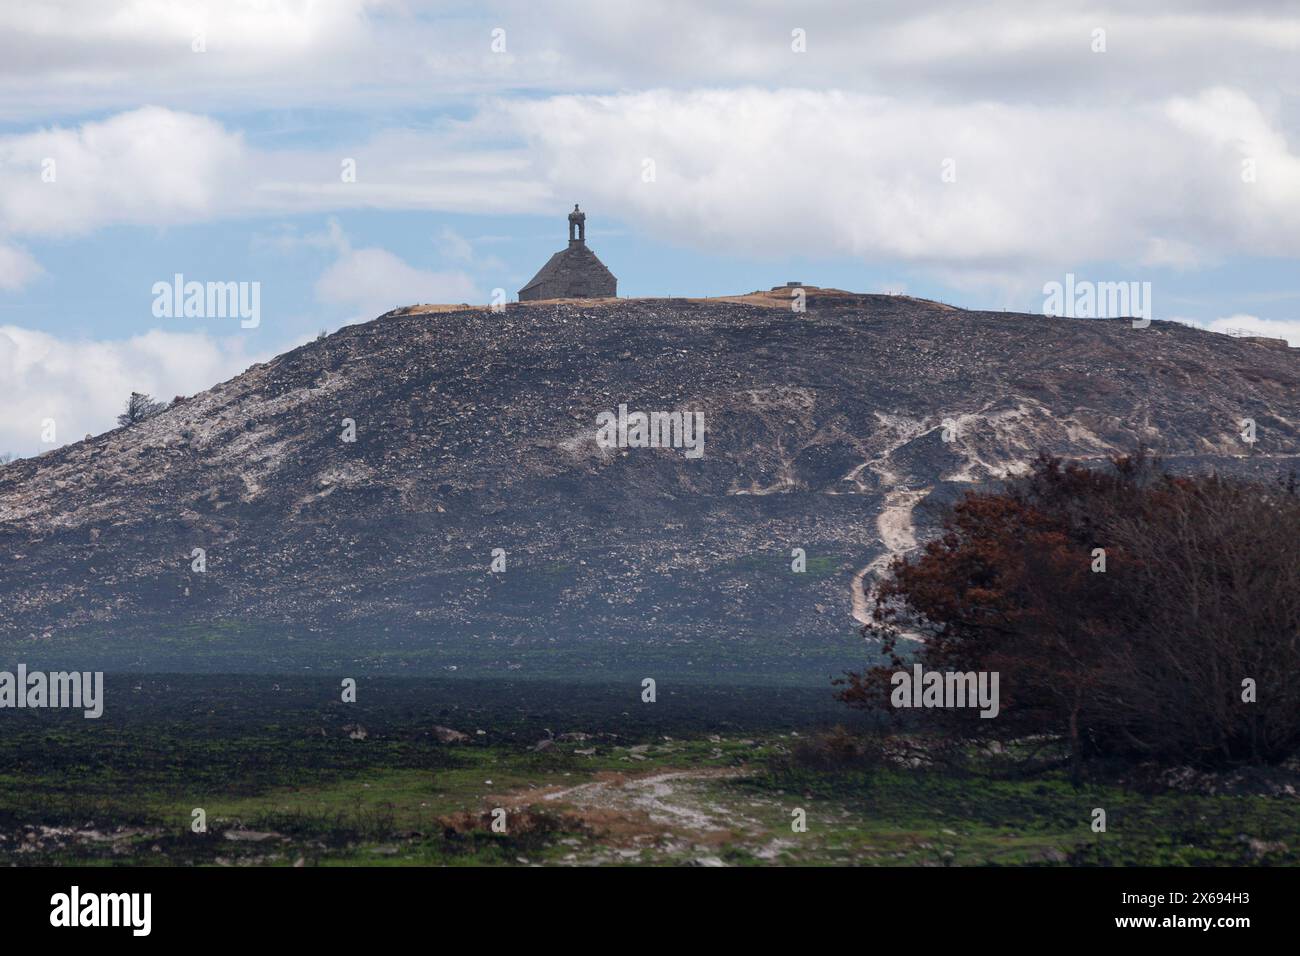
(17, 268)
(100, 53)
(938, 50)
(1288, 329)
(834, 173)
(150, 165)
(1164, 252)
(83, 384)
(452, 245)
(372, 281)
(72, 56)
(155, 166)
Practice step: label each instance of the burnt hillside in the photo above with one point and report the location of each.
(476, 431)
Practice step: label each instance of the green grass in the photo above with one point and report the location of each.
(930, 817)
(274, 756)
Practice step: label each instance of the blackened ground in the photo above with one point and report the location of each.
(476, 431)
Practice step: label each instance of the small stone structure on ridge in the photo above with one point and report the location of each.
(572, 273)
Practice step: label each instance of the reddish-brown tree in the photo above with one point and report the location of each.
(1154, 657)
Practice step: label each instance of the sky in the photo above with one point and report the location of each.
(349, 157)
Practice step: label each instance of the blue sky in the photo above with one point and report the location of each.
(966, 156)
(115, 268)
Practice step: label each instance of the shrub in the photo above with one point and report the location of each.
(139, 408)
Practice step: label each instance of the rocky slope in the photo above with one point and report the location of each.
(477, 430)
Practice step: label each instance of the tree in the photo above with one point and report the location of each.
(139, 408)
(1150, 658)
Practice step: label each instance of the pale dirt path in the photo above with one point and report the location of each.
(663, 797)
(667, 814)
(894, 523)
(897, 534)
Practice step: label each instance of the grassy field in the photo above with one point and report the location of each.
(287, 774)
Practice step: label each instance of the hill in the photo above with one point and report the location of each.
(476, 431)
